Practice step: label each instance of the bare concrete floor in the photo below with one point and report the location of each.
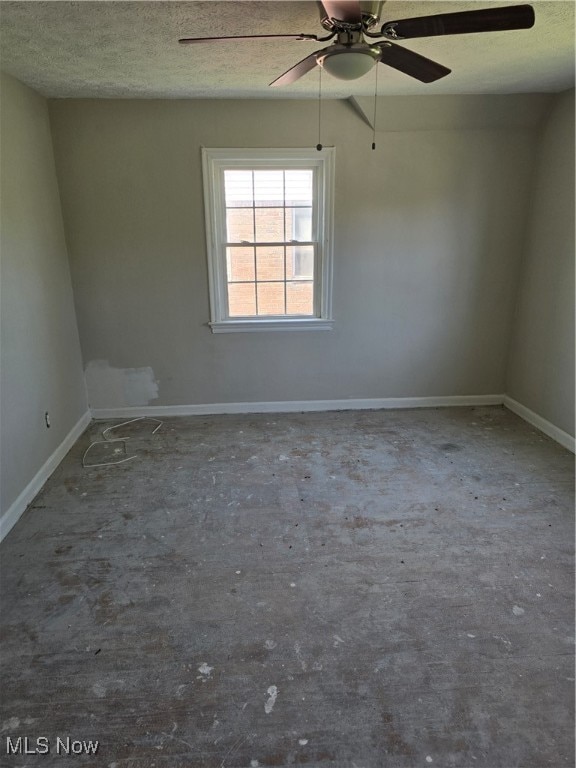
(358, 589)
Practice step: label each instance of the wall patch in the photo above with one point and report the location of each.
(109, 387)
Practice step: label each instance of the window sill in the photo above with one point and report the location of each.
(292, 324)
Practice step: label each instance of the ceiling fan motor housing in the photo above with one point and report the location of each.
(368, 16)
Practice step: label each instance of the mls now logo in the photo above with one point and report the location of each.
(23, 745)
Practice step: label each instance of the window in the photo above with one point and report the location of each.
(269, 232)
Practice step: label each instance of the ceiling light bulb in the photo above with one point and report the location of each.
(348, 65)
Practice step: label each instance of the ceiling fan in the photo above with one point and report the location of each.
(354, 25)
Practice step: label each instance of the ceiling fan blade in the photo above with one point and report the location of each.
(343, 10)
(187, 40)
(298, 70)
(423, 69)
(486, 20)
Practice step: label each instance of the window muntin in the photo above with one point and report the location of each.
(269, 220)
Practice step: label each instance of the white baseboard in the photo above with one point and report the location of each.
(566, 440)
(292, 406)
(18, 507)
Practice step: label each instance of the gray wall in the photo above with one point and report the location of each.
(429, 232)
(541, 366)
(40, 365)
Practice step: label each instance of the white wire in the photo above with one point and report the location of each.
(106, 463)
(130, 421)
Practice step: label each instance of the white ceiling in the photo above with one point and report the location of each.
(130, 50)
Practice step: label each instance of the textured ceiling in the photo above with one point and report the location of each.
(130, 50)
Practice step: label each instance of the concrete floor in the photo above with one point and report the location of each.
(361, 589)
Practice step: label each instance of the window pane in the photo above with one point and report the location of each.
(239, 225)
(271, 299)
(241, 299)
(270, 225)
(270, 263)
(240, 264)
(300, 262)
(299, 224)
(299, 187)
(300, 298)
(238, 188)
(268, 188)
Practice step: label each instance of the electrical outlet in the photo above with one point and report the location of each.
(47, 419)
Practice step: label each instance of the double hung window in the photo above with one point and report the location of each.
(269, 232)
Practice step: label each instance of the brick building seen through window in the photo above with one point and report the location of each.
(267, 273)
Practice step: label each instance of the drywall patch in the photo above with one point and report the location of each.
(108, 386)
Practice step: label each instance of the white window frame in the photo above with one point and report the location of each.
(214, 163)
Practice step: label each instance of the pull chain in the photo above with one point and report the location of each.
(375, 106)
(319, 145)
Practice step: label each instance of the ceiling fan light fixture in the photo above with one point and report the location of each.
(348, 64)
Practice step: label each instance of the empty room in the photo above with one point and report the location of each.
(287, 384)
